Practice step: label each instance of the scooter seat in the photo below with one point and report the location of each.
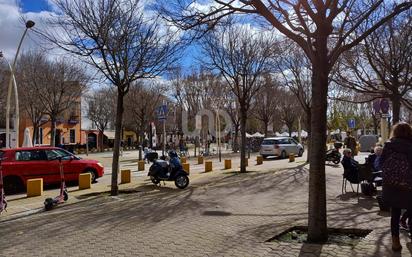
(162, 163)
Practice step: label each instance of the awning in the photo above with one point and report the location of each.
(109, 135)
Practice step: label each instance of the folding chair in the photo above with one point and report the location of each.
(345, 180)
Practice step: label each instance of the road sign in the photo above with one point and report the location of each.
(377, 105)
(351, 123)
(384, 105)
(162, 112)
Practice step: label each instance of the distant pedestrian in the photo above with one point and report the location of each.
(396, 163)
(350, 142)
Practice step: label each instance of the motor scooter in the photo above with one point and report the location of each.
(49, 203)
(333, 155)
(3, 202)
(161, 170)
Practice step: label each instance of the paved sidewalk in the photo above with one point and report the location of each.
(19, 205)
(220, 214)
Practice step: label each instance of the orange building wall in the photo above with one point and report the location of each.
(64, 127)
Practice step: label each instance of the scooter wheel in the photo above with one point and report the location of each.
(155, 180)
(65, 195)
(182, 181)
(48, 204)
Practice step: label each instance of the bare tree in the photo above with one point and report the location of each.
(141, 104)
(296, 74)
(4, 75)
(116, 38)
(265, 104)
(382, 65)
(289, 109)
(241, 56)
(29, 67)
(56, 87)
(100, 110)
(324, 30)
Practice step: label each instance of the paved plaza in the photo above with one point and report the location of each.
(220, 214)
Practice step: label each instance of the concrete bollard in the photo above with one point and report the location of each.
(208, 166)
(34, 187)
(228, 164)
(140, 165)
(200, 160)
(259, 160)
(125, 176)
(183, 159)
(85, 181)
(186, 167)
(291, 157)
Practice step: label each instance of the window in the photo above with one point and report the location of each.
(72, 136)
(39, 140)
(55, 153)
(284, 141)
(269, 142)
(1, 154)
(33, 155)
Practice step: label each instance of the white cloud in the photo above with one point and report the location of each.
(12, 27)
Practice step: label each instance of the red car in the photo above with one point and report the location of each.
(22, 164)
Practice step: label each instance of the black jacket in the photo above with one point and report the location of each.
(396, 163)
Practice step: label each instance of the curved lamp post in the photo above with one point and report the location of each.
(29, 24)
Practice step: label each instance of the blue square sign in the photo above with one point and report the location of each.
(351, 123)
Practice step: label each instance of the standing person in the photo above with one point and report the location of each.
(350, 142)
(396, 163)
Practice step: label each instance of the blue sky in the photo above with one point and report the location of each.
(34, 5)
(11, 27)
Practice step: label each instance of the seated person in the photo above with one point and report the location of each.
(374, 159)
(351, 167)
(377, 162)
(174, 162)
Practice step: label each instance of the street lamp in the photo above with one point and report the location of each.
(29, 24)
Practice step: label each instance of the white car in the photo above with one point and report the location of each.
(280, 147)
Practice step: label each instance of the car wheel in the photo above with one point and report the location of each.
(264, 156)
(12, 185)
(92, 174)
(182, 181)
(283, 155)
(300, 153)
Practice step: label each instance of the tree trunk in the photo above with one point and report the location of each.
(236, 139)
(117, 139)
(266, 124)
(396, 109)
(53, 131)
(308, 139)
(35, 133)
(100, 140)
(243, 118)
(317, 223)
(375, 124)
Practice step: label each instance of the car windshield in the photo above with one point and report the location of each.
(269, 142)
